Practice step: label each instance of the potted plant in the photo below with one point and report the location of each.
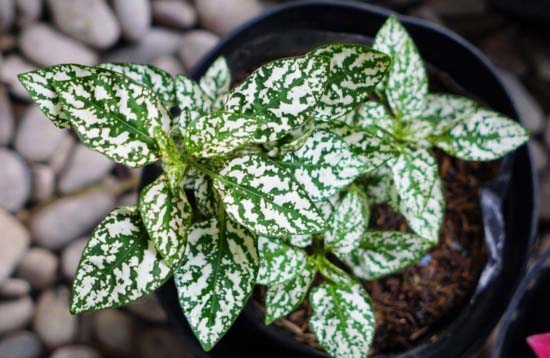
(268, 181)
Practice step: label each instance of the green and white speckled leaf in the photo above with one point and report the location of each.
(374, 117)
(284, 92)
(216, 277)
(204, 194)
(446, 110)
(217, 79)
(342, 319)
(407, 82)
(166, 214)
(354, 72)
(115, 116)
(285, 297)
(299, 240)
(220, 133)
(417, 182)
(372, 149)
(384, 252)
(379, 187)
(278, 261)
(349, 222)
(265, 197)
(485, 135)
(191, 100)
(119, 264)
(324, 164)
(39, 85)
(154, 78)
(334, 273)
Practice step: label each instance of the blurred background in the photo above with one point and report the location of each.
(53, 190)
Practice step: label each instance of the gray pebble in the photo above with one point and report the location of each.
(134, 17)
(10, 67)
(43, 182)
(52, 321)
(15, 314)
(15, 181)
(38, 267)
(37, 138)
(13, 243)
(47, 47)
(114, 331)
(89, 21)
(176, 13)
(7, 121)
(23, 344)
(222, 16)
(56, 224)
(14, 288)
(75, 351)
(195, 45)
(71, 257)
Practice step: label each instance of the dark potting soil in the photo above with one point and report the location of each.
(416, 303)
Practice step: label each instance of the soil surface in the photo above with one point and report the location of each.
(416, 303)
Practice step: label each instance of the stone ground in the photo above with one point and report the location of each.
(53, 190)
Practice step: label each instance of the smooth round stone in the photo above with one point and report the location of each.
(62, 154)
(174, 13)
(7, 14)
(169, 64)
(545, 197)
(28, 11)
(89, 21)
(10, 67)
(47, 47)
(148, 308)
(71, 257)
(7, 121)
(37, 138)
(56, 224)
(43, 182)
(52, 321)
(195, 44)
(539, 154)
(134, 17)
(75, 351)
(156, 42)
(15, 314)
(85, 167)
(14, 288)
(114, 330)
(14, 241)
(222, 16)
(22, 344)
(15, 181)
(38, 267)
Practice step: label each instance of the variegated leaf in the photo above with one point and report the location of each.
(354, 72)
(278, 261)
(39, 85)
(374, 117)
(119, 264)
(283, 298)
(384, 252)
(349, 222)
(407, 82)
(265, 197)
(380, 188)
(299, 240)
(115, 116)
(154, 78)
(166, 214)
(418, 185)
(342, 320)
(324, 164)
(216, 277)
(334, 273)
(485, 135)
(220, 133)
(204, 194)
(372, 149)
(217, 79)
(191, 100)
(284, 92)
(446, 110)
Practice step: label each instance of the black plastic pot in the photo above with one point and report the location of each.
(509, 203)
(527, 314)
